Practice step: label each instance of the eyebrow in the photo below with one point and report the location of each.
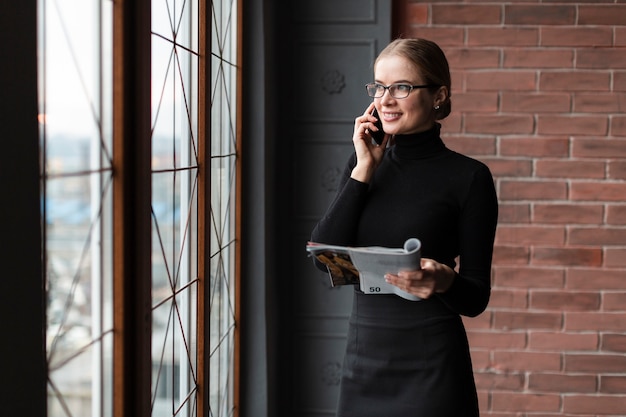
(396, 82)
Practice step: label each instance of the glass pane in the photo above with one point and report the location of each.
(174, 208)
(75, 112)
(223, 204)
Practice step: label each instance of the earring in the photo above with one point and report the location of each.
(437, 107)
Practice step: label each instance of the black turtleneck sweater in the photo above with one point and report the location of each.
(423, 189)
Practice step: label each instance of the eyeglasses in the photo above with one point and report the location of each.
(376, 90)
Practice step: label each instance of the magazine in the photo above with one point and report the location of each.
(367, 266)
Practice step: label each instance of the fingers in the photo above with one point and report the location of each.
(365, 124)
(432, 278)
(414, 282)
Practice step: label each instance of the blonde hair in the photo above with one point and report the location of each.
(429, 60)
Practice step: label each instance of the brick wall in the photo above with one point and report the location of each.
(539, 94)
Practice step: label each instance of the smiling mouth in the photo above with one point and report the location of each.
(390, 115)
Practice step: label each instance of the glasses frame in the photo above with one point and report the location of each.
(388, 88)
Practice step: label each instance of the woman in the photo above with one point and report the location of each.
(411, 358)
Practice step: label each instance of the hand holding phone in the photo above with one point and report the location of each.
(378, 135)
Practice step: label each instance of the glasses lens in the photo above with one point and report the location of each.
(399, 90)
(395, 90)
(375, 90)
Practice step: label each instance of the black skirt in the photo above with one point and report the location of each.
(406, 359)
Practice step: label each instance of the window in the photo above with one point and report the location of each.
(193, 143)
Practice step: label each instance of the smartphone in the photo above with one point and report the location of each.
(379, 135)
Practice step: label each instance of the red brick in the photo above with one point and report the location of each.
(539, 15)
(497, 340)
(550, 382)
(572, 125)
(535, 147)
(473, 58)
(602, 15)
(620, 36)
(550, 341)
(530, 277)
(552, 168)
(451, 124)
(564, 301)
(525, 402)
(615, 257)
(475, 102)
(530, 235)
(594, 404)
(599, 103)
(499, 124)
(576, 36)
(574, 81)
(509, 167)
(533, 190)
(536, 102)
(501, 81)
(511, 255)
(619, 81)
(501, 298)
(523, 320)
(527, 361)
(417, 13)
(538, 58)
(614, 301)
(514, 213)
(499, 381)
(590, 278)
(567, 256)
(480, 358)
(471, 145)
(598, 148)
(617, 170)
(482, 321)
(598, 191)
(595, 322)
(595, 363)
(459, 14)
(614, 342)
(601, 58)
(483, 400)
(568, 213)
(618, 126)
(599, 236)
(616, 214)
(457, 81)
(444, 36)
(502, 36)
(610, 384)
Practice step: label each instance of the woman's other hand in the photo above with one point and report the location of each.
(432, 278)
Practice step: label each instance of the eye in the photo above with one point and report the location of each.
(402, 88)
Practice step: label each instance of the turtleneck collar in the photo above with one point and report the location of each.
(419, 145)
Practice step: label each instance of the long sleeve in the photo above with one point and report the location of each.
(339, 224)
(469, 294)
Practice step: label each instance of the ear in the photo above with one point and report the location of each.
(441, 96)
